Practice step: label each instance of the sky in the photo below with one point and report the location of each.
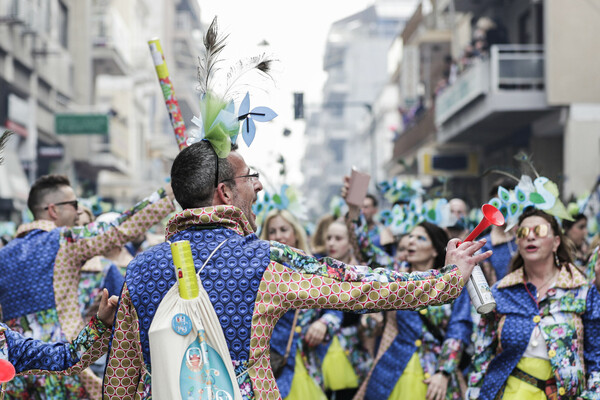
(296, 32)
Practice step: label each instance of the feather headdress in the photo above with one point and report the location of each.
(3, 139)
(540, 193)
(218, 122)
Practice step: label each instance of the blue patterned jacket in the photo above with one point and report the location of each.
(251, 284)
(570, 325)
(413, 336)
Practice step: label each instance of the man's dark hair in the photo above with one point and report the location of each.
(373, 199)
(41, 188)
(567, 225)
(193, 174)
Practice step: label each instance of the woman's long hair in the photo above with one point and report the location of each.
(564, 256)
(301, 241)
(318, 240)
(439, 240)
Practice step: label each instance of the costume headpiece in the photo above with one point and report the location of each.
(402, 218)
(218, 122)
(540, 193)
(395, 190)
(288, 199)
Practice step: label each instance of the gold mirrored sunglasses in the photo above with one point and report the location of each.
(540, 231)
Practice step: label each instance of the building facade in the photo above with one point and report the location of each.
(78, 87)
(342, 133)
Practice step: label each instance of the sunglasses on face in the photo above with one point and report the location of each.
(74, 203)
(540, 231)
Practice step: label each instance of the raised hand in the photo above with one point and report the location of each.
(464, 256)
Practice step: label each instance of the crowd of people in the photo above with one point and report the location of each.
(225, 309)
(538, 343)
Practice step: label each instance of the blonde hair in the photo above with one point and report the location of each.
(301, 240)
(88, 212)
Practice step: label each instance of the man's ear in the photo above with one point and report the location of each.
(223, 195)
(52, 213)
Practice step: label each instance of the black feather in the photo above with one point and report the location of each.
(214, 43)
(3, 139)
(261, 63)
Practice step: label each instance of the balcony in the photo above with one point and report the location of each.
(415, 136)
(494, 97)
(109, 40)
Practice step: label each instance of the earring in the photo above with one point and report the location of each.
(556, 260)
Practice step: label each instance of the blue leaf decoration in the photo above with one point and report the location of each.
(248, 131)
(230, 107)
(503, 194)
(262, 114)
(245, 105)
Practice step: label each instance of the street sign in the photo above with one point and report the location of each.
(81, 124)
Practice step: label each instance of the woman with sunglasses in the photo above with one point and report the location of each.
(541, 342)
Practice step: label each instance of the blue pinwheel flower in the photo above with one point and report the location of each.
(260, 114)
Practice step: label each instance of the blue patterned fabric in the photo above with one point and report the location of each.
(501, 257)
(113, 281)
(281, 334)
(520, 309)
(411, 328)
(231, 278)
(19, 261)
(279, 339)
(27, 353)
(391, 365)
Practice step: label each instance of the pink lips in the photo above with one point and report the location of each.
(531, 248)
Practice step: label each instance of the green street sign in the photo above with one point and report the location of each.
(81, 124)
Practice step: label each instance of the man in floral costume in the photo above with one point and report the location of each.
(250, 282)
(41, 270)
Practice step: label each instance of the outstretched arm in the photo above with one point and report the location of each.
(66, 358)
(84, 242)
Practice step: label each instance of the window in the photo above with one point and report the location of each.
(63, 24)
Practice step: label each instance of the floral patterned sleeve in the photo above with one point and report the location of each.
(486, 342)
(33, 356)
(368, 252)
(333, 320)
(83, 242)
(458, 335)
(591, 347)
(417, 289)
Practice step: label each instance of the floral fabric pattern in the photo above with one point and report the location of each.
(290, 279)
(329, 267)
(60, 319)
(568, 310)
(31, 356)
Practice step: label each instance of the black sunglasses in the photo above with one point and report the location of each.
(74, 203)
